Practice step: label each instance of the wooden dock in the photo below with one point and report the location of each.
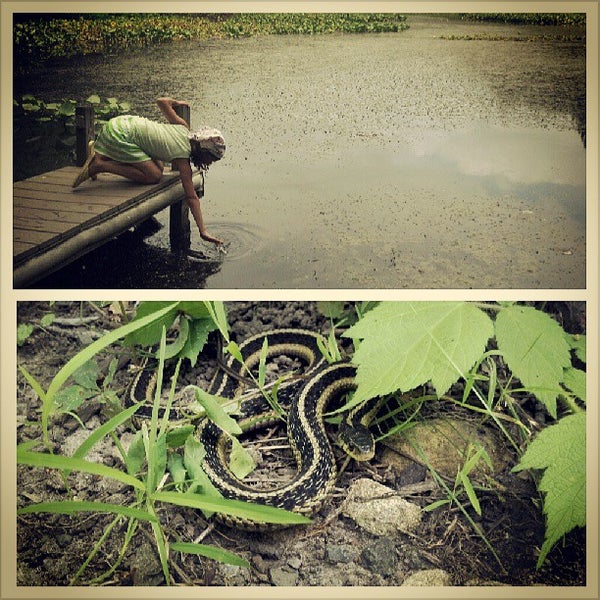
(54, 224)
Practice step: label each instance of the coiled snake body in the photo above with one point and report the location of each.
(321, 387)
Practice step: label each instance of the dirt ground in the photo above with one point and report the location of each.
(331, 551)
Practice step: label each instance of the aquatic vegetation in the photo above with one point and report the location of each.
(38, 39)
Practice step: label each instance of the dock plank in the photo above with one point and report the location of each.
(53, 223)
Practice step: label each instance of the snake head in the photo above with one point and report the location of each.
(356, 440)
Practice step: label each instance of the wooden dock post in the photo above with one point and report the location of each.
(84, 131)
(179, 215)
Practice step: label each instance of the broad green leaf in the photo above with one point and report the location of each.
(196, 310)
(177, 437)
(67, 507)
(574, 380)
(210, 552)
(332, 309)
(535, 349)
(88, 374)
(70, 398)
(197, 337)
(151, 333)
(240, 461)
(560, 450)
(407, 344)
(93, 99)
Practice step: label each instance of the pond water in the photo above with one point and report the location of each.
(399, 160)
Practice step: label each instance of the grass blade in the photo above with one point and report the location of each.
(68, 507)
(67, 463)
(210, 552)
(236, 508)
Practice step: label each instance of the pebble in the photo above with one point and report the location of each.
(338, 553)
(283, 576)
(380, 557)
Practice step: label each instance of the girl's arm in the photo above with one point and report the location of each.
(185, 172)
(166, 108)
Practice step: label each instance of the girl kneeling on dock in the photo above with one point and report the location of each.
(135, 148)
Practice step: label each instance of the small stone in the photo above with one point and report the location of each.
(284, 577)
(428, 577)
(337, 553)
(377, 508)
(380, 557)
(295, 563)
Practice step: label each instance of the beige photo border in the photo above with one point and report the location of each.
(10, 297)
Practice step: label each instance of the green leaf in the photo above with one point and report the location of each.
(47, 320)
(87, 375)
(193, 455)
(67, 507)
(176, 468)
(71, 398)
(177, 437)
(136, 454)
(560, 450)
(574, 380)
(236, 508)
(407, 344)
(93, 99)
(67, 108)
(66, 463)
(197, 337)
(240, 461)
(332, 309)
(24, 330)
(151, 333)
(534, 347)
(96, 435)
(216, 413)
(210, 552)
(177, 346)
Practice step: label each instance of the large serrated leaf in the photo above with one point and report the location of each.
(534, 347)
(560, 450)
(407, 344)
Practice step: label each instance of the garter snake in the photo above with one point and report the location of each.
(321, 387)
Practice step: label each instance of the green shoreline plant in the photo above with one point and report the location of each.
(399, 347)
(42, 38)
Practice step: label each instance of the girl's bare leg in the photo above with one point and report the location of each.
(148, 171)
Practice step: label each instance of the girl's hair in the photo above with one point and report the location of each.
(201, 157)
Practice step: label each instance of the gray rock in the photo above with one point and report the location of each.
(283, 576)
(380, 557)
(379, 510)
(339, 553)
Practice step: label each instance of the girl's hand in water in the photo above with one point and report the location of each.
(209, 238)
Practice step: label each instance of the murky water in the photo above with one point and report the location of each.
(364, 161)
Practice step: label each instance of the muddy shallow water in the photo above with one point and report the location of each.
(365, 161)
